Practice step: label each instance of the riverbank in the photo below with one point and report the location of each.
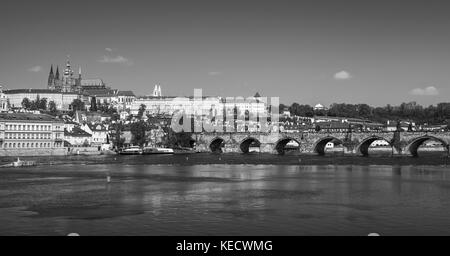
(237, 159)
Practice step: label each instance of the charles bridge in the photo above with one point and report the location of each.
(356, 143)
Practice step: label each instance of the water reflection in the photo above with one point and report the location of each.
(225, 200)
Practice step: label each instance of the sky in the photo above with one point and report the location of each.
(375, 52)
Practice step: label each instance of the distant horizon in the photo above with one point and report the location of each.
(287, 104)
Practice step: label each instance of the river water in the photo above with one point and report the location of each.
(188, 195)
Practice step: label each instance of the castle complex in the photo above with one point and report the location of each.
(67, 82)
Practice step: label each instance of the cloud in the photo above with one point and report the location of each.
(214, 73)
(427, 91)
(108, 49)
(35, 69)
(342, 75)
(115, 60)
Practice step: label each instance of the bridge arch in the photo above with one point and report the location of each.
(216, 145)
(364, 145)
(248, 143)
(320, 145)
(280, 145)
(414, 144)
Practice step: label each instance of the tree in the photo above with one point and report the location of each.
(115, 117)
(141, 111)
(42, 104)
(281, 108)
(34, 105)
(301, 110)
(364, 111)
(138, 131)
(77, 104)
(118, 130)
(26, 104)
(180, 139)
(318, 128)
(93, 107)
(52, 108)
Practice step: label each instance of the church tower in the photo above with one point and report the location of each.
(57, 73)
(157, 91)
(51, 79)
(78, 81)
(67, 80)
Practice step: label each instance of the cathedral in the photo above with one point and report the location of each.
(66, 82)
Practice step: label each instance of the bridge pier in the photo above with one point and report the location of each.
(349, 151)
(397, 152)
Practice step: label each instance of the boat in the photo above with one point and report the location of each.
(156, 150)
(132, 150)
(20, 163)
(254, 149)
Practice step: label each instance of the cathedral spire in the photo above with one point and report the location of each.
(51, 78)
(57, 73)
(155, 91)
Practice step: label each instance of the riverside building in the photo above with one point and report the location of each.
(157, 104)
(24, 134)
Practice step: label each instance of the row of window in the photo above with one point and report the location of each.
(37, 136)
(27, 127)
(128, 100)
(31, 145)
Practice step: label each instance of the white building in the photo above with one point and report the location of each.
(319, 107)
(61, 99)
(3, 101)
(125, 99)
(99, 133)
(168, 105)
(30, 132)
(77, 137)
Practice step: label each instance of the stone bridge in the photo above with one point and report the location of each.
(402, 143)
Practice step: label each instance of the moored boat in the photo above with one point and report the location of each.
(132, 150)
(20, 163)
(155, 150)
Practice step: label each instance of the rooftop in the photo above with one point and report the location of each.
(100, 92)
(27, 117)
(76, 132)
(125, 93)
(92, 82)
(17, 91)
